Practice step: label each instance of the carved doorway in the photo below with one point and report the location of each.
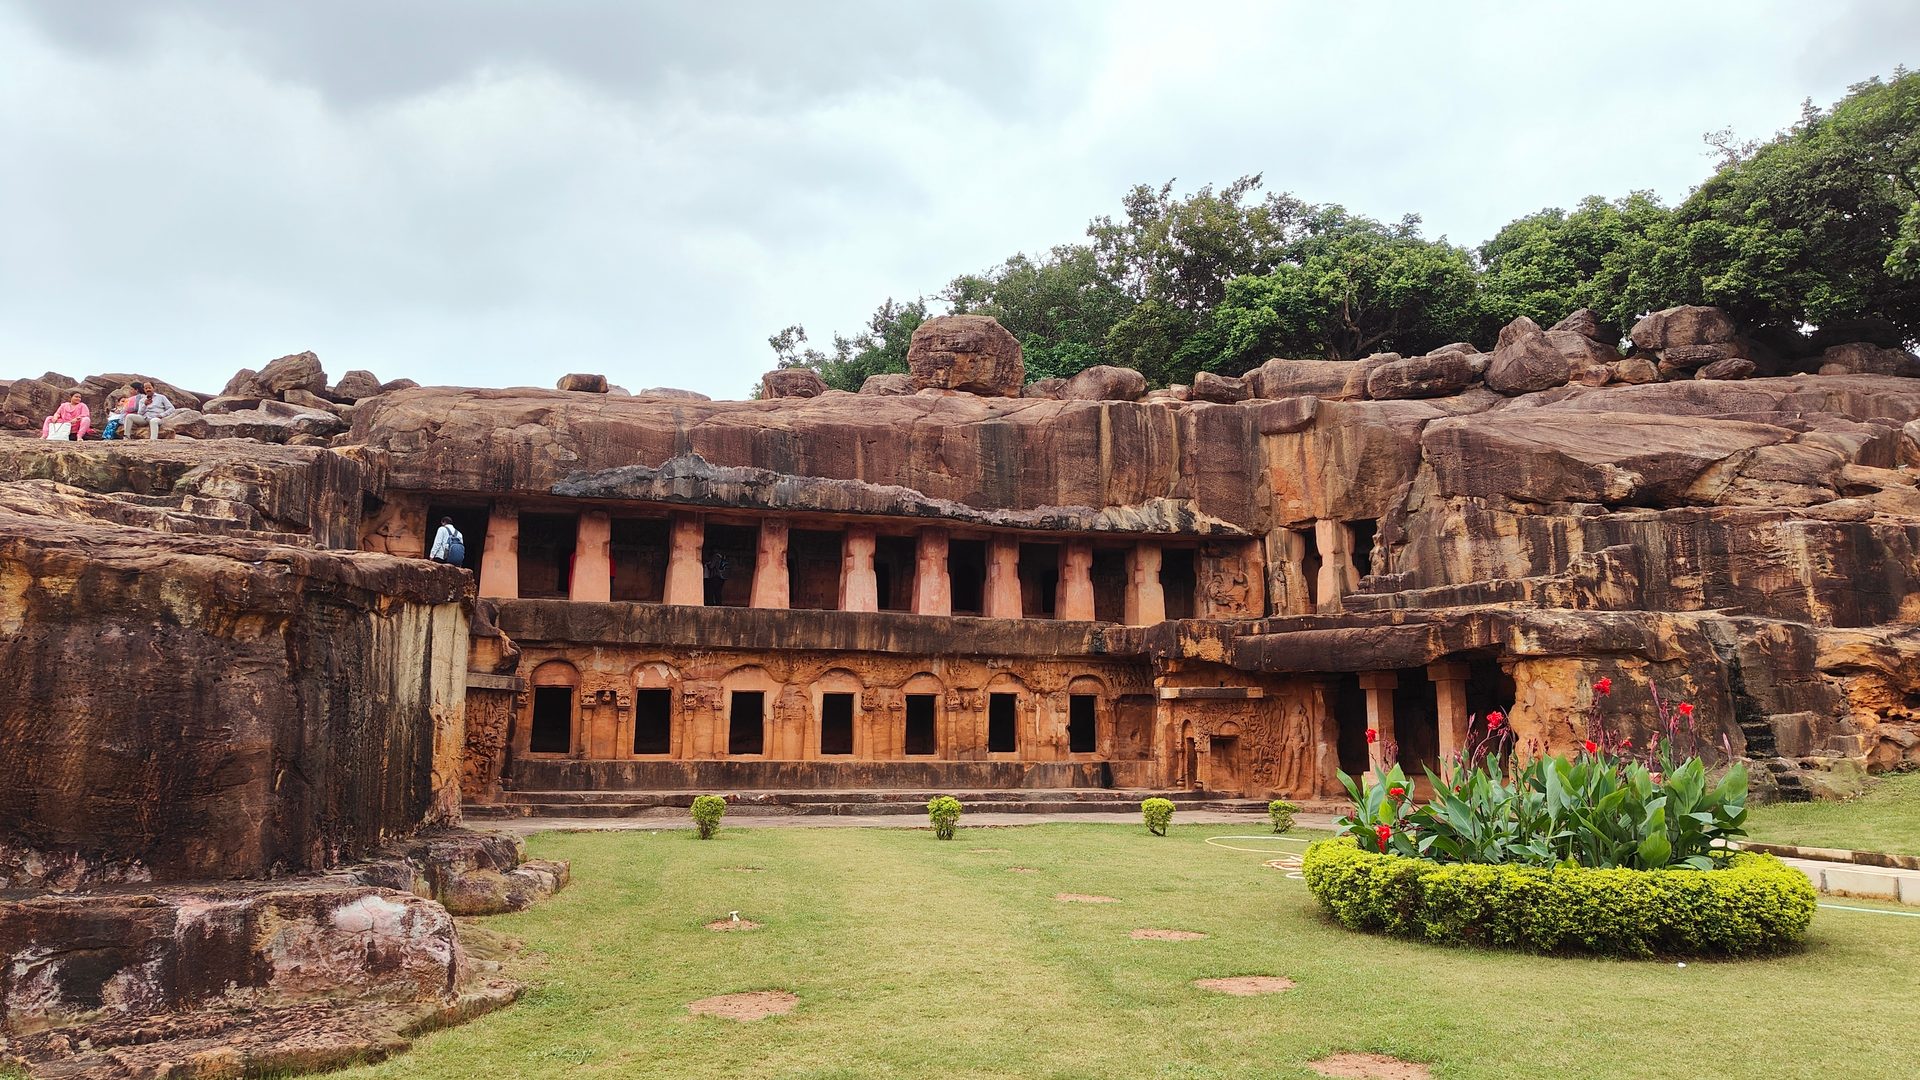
(1225, 771)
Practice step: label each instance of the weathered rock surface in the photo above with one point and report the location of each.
(1221, 389)
(299, 371)
(672, 394)
(1733, 367)
(889, 384)
(797, 382)
(1865, 358)
(1586, 323)
(1435, 375)
(1104, 383)
(1527, 360)
(354, 385)
(966, 352)
(585, 384)
(1681, 327)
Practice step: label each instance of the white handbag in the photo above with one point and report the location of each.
(62, 431)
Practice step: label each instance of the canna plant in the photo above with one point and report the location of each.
(1606, 806)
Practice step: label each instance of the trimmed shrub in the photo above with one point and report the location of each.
(1159, 813)
(1749, 904)
(707, 812)
(1281, 812)
(944, 812)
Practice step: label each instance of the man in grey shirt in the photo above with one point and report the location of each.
(147, 405)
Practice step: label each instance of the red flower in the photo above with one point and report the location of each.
(1626, 744)
(1495, 719)
(1384, 833)
(1372, 736)
(1396, 791)
(1685, 709)
(1603, 687)
(1591, 748)
(1655, 777)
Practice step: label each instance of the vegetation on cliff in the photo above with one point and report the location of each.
(1818, 227)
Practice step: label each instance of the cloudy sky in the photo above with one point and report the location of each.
(484, 193)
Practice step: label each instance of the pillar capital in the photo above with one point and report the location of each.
(1379, 680)
(1447, 671)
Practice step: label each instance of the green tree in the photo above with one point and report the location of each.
(1061, 307)
(1350, 286)
(1550, 263)
(879, 349)
(1818, 226)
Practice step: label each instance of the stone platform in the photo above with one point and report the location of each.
(873, 802)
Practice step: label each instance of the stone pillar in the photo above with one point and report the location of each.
(1450, 698)
(500, 563)
(604, 743)
(1002, 600)
(770, 583)
(1326, 739)
(1073, 601)
(932, 589)
(685, 582)
(858, 589)
(1379, 687)
(593, 558)
(1146, 599)
(1336, 565)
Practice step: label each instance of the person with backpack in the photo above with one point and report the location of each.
(448, 545)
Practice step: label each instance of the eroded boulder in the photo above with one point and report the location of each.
(584, 384)
(1527, 360)
(1434, 375)
(1104, 382)
(793, 382)
(354, 385)
(295, 371)
(1221, 389)
(1586, 323)
(888, 384)
(1733, 367)
(972, 353)
(1866, 358)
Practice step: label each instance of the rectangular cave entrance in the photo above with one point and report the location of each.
(894, 561)
(1083, 735)
(1309, 548)
(546, 555)
(1109, 584)
(652, 721)
(1488, 689)
(1039, 579)
(1416, 722)
(921, 738)
(1360, 545)
(472, 523)
(1350, 718)
(727, 563)
(639, 550)
(552, 730)
(836, 724)
(1003, 722)
(967, 575)
(1178, 581)
(813, 568)
(747, 722)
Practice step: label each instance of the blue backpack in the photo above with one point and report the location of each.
(457, 550)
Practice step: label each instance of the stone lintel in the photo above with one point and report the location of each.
(1212, 693)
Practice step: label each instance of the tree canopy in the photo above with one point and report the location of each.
(1815, 229)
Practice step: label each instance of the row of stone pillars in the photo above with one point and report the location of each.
(1449, 680)
(859, 587)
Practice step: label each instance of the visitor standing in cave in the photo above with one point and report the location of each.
(716, 577)
(448, 545)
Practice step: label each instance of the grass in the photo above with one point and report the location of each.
(916, 958)
(1885, 818)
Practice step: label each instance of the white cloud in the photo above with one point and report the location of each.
(495, 194)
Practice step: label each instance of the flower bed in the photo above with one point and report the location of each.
(1750, 904)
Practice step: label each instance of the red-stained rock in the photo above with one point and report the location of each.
(584, 384)
(795, 382)
(973, 353)
(1635, 370)
(1221, 389)
(298, 371)
(1105, 383)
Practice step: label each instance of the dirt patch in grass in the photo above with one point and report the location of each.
(1369, 1067)
(1246, 985)
(752, 1005)
(1084, 898)
(1166, 935)
(729, 924)
(745, 869)
(1021, 870)
(986, 851)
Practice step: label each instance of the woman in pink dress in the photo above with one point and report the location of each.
(71, 411)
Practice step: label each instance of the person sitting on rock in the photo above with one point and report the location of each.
(149, 406)
(72, 412)
(448, 545)
(116, 425)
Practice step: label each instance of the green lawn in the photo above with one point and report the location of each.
(1886, 818)
(915, 958)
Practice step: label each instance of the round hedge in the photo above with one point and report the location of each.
(1752, 904)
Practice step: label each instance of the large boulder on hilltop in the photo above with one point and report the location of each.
(973, 353)
(1677, 327)
(1635, 370)
(64, 382)
(1586, 323)
(1104, 382)
(585, 384)
(391, 385)
(1221, 389)
(1866, 358)
(673, 393)
(1433, 375)
(792, 382)
(1333, 380)
(29, 401)
(296, 371)
(888, 384)
(1526, 360)
(354, 385)
(1733, 367)
(245, 384)
(1047, 389)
